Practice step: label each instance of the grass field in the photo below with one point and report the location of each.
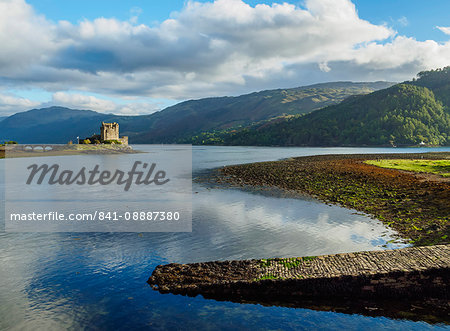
(438, 167)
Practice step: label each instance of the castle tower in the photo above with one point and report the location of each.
(109, 131)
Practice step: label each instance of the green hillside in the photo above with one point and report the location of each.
(439, 81)
(404, 114)
(186, 119)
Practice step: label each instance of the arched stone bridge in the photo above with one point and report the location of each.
(36, 147)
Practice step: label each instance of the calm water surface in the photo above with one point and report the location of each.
(98, 280)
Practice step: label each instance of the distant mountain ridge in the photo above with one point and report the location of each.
(50, 125)
(189, 117)
(411, 113)
(59, 124)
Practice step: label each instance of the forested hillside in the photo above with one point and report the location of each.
(404, 114)
(189, 118)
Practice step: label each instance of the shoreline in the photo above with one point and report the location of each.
(25, 150)
(406, 283)
(414, 204)
(410, 283)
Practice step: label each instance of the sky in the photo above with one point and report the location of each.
(137, 57)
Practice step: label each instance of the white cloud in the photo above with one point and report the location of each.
(445, 29)
(83, 102)
(206, 49)
(25, 36)
(403, 21)
(324, 67)
(135, 12)
(10, 104)
(80, 101)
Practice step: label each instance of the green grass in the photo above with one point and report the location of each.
(438, 167)
(89, 147)
(289, 263)
(269, 276)
(309, 258)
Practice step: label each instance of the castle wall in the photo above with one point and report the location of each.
(109, 131)
(124, 140)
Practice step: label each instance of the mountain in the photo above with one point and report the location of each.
(437, 80)
(189, 117)
(2, 118)
(59, 124)
(50, 125)
(404, 114)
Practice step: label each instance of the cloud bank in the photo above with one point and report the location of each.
(82, 101)
(445, 29)
(206, 49)
(10, 103)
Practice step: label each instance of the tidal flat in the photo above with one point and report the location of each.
(414, 205)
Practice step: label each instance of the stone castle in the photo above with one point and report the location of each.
(110, 131)
(109, 134)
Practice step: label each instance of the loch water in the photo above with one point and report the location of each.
(55, 281)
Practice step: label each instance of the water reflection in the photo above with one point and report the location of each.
(98, 280)
(240, 225)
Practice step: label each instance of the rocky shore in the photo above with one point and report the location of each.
(412, 283)
(414, 204)
(377, 279)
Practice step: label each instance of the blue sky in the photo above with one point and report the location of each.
(421, 16)
(135, 57)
